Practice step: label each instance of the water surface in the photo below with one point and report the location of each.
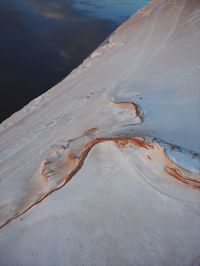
(41, 41)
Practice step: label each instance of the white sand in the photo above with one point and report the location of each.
(125, 206)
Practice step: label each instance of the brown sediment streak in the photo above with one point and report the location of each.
(132, 106)
(74, 164)
(138, 142)
(72, 157)
(183, 176)
(171, 168)
(77, 163)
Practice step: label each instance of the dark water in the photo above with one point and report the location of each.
(41, 41)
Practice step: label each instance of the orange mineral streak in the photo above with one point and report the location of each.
(138, 142)
(72, 157)
(132, 106)
(190, 179)
(142, 143)
(184, 177)
(121, 143)
(74, 164)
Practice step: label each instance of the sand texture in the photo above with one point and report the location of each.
(104, 168)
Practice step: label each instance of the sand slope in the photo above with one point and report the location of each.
(104, 168)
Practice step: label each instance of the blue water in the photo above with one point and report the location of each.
(41, 41)
(117, 10)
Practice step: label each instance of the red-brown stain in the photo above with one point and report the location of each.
(142, 143)
(72, 157)
(121, 141)
(177, 173)
(132, 106)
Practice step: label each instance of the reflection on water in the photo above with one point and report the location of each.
(41, 41)
(117, 10)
